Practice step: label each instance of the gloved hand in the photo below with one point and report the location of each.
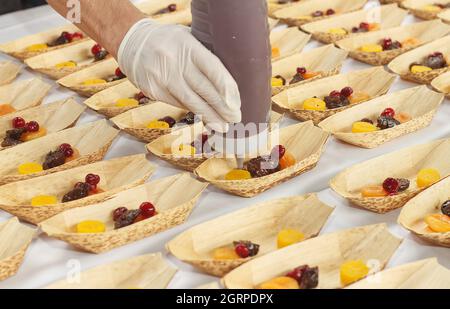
(168, 64)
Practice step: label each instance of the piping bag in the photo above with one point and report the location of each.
(237, 32)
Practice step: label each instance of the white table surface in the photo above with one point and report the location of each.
(47, 258)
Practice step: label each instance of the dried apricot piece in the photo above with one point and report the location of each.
(363, 127)
(287, 160)
(309, 75)
(30, 168)
(280, 283)
(358, 97)
(277, 82)
(438, 223)
(66, 64)
(94, 81)
(420, 69)
(353, 271)
(289, 237)
(37, 47)
(126, 102)
(225, 253)
(28, 136)
(427, 176)
(157, 124)
(238, 174)
(373, 191)
(314, 104)
(91, 226)
(402, 117)
(43, 200)
(371, 48)
(275, 52)
(6, 109)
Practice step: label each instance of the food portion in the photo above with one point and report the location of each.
(353, 271)
(22, 131)
(301, 74)
(289, 237)
(169, 9)
(388, 119)
(118, 75)
(6, 108)
(123, 216)
(393, 186)
(169, 122)
(387, 44)
(138, 99)
(320, 13)
(440, 223)
(335, 99)
(238, 250)
(361, 28)
(302, 277)
(265, 165)
(431, 62)
(64, 38)
(98, 54)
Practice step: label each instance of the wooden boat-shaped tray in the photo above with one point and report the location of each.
(442, 83)
(326, 61)
(103, 70)
(372, 243)
(24, 94)
(116, 175)
(91, 141)
(386, 16)
(423, 32)
(405, 163)
(445, 16)
(418, 8)
(288, 41)
(14, 241)
(8, 72)
(18, 48)
(135, 120)
(182, 15)
(54, 117)
(47, 63)
(162, 146)
(423, 274)
(373, 82)
(401, 64)
(427, 202)
(174, 198)
(419, 102)
(259, 224)
(304, 141)
(104, 102)
(150, 271)
(301, 13)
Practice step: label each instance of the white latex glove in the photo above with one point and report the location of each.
(168, 64)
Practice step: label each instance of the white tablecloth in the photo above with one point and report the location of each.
(47, 259)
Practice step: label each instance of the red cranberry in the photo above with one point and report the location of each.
(64, 146)
(387, 43)
(119, 73)
(77, 36)
(140, 96)
(68, 152)
(330, 12)
(96, 49)
(364, 26)
(436, 54)
(147, 209)
(301, 70)
(119, 212)
(172, 7)
(278, 151)
(205, 138)
(18, 122)
(92, 188)
(388, 112)
(347, 92)
(391, 185)
(242, 251)
(67, 35)
(32, 126)
(335, 93)
(92, 179)
(296, 273)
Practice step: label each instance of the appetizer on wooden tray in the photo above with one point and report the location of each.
(428, 214)
(426, 9)
(40, 198)
(14, 241)
(56, 152)
(385, 118)
(168, 11)
(21, 95)
(95, 78)
(424, 63)
(286, 42)
(306, 66)
(329, 261)
(62, 62)
(423, 274)
(380, 47)
(253, 232)
(33, 123)
(151, 121)
(8, 72)
(323, 98)
(333, 29)
(300, 149)
(442, 83)
(149, 271)
(129, 216)
(308, 11)
(39, 43)
(389, 181)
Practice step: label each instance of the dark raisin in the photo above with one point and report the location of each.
(307, 277)
(127, 218)
(436, 61)
(297, 78)
(384, 122)
(54, 159)
(366, 120)
(403, 184)
(445, 208)
(101, 55)
(190, 118)
(77, 193)
(333, 102)
(61, 40)
(12, 137)
(262, 166)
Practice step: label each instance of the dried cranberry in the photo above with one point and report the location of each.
(97, 48)
(18, 122)
(64, 146)
(68, 152)
(242, 251)
(140, 96)
(388, 112)
(92, 179)
(32, 126)
(301, 70)
(330, 12)
(365, 26)
(118, 212)
(445, 208)
(391, 186)
(204, 138)
(172, 7)
(307, 277)
(147, 210)
(77, 36)
(347, 91)
(119, 73)
(335, 93)
(278, 152)
(68, 36)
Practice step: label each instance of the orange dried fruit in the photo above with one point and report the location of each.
(28, 136)
(225, 253)
(275, 52)
(373, 191)
(358, 97)
(353, 271)
(280, 283)
(238, 174)
(427, 176)
(30, 168)
(43, 200)
(363, 127)
(438, 223)
(6, 109)
(91, 226)
(402, 117)
(287, 160)
(289, 237)
(309, 75)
